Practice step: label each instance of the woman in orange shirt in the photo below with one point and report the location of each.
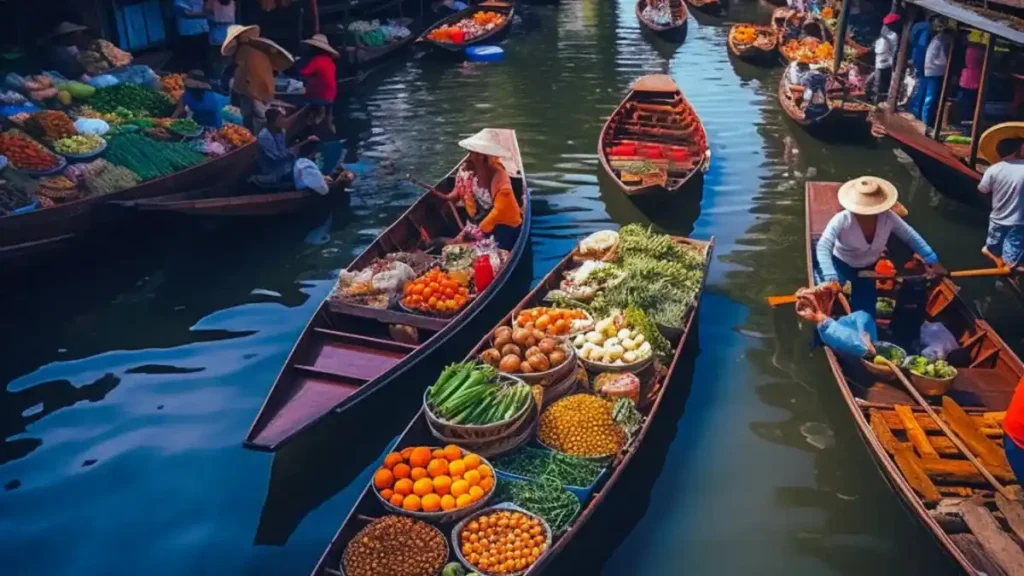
(484, 186)
(1013, 426)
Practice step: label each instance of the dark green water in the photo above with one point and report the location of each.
(131, 377)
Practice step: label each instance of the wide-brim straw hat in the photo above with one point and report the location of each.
(996, 134)
(196, 79)
(280, 58)
(320, 41)
(867, 195)
(234, 34)
(63, 29)
(486, 141)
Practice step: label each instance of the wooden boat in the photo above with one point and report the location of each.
(655, 113)
(418, 432)
(491, 36)
(713, 7)
(763, 50)
(345, 354)
(210, 202)
(793, 110)
(942, 490)
(674, 32)
(23, 235)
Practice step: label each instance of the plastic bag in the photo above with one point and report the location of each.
(138, 74)
(850, 335)
(308, 177)
(92, 126)
(103, 81)
(393, 279)
(937, 341)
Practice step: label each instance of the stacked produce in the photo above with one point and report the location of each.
(78, 145)
(373, 34)
(133, 99)
(433, 479)
(807, 49)
(522, 351)
(533, 463)
(435, 292)
(86, 111)
(893, 354)
(470, 394)
(554, 321)
(106, 178)
(545, 497)
(922, 366)
(581, 425)
(583, 283)
(11, 198)
(149, 158)
(173, 85)
(468, 28)
(25, 153)
(618, 385)
(613, 341)
(51, 125)
(744, 35)
(237, 136)
(658, 12)
(396, 546)
(184, 126)
(57, 188)
(503, 541)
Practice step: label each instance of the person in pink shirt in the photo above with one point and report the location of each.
(970, 80)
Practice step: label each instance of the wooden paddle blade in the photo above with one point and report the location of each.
(774, 301)
(941, 296)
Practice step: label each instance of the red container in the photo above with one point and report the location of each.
(483, 273)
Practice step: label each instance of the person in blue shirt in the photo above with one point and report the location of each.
(206, 106)
(920, 36)
(276, 158)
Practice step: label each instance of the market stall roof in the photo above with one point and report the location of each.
(962, 14)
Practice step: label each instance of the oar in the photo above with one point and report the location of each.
(971, 273)
(952, 435)
(430, 188)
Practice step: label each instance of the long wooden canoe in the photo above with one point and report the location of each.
(674, 32)
(713, 7)
(344, 356)
(762, 51)
(941, 489)
(23, 235)
(494, 35)
(418, 432)
(794, 111)
(655, 114)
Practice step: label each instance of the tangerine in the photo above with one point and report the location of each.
(418, 474)
(406, 452)
(452, 452)
(459, 487)
(476, 493)
(447, 502)
(401, 470)
(392, 459)
(423, 486)
(404, 487)
(396, 500)
(487, 483)
(437, 467)
(431, 503)
(473, 477)
(387, 493)
(383, 479)
(411, 503)
(463, 501)
(485, 471)
(442, 484)
(472, 461)
(457, 468)
(439, 453)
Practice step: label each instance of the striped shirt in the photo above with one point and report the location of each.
(844, 239)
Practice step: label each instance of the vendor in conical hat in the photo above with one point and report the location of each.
(1003, 146)
(855, 238)
(256, 61)
(320, 74)
(484, 186)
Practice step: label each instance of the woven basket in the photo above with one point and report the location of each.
(566, 386)
(563, 336)
(633, 368)
(508, 441)
(497, 508)
(547, 377)
(601, 459)
(462, 433)
(447, 551)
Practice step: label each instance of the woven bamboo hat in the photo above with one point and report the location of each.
(196, 79)
(280, 58)
(234, 34)
(867, 195)
(320, 41)
(996, 134)
(486, 141)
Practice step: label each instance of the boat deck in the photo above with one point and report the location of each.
(910, 131)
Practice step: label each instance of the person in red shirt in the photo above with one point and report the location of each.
(320, 74)
(1013, 426)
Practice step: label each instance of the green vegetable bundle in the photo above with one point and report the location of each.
(185, 126)
(108, 178)
(133, 98)
(545, 498)
(922, 366)
(533, 463)
(149, 158)
(470, 394)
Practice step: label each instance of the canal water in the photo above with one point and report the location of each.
(131, 375)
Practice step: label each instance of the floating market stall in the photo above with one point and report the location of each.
(516, 447)
(665, 18)
(753, 42)
(488, 22)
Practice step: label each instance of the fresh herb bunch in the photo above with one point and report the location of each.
(637, 240)
(639, 319)
(626, 415)
(566, 470)
(149, 158)
(545, 498)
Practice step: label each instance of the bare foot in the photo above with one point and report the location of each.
(998, 261)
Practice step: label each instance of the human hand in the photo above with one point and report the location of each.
(933, 271)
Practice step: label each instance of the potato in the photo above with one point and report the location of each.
(520, 335)
(510, 364)
(500, 343)
(629, 344)
(547, 345)
(595, 337)
(629, 357)
(539, 362)
(532, 351)
(539, 335)
(557, 357)
(503, 332)
(491, 356)
(579, 341)
(531, 341)
(511, 350)
(525, 368)
(529, 326)
(623, 334)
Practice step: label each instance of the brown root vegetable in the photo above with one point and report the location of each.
(539, 362)
(529, 326)
(519, 336)
(539, 335)
(557, 357)
(525, 368)
(547, 345)
(500, 343)
(503, 332)
(491, 356)
(531, 342)
(533, 351)
(510, 364)
(511, 349)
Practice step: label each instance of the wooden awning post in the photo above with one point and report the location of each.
(837, 58)
(979, 104)
(901, 60)
(945, 86)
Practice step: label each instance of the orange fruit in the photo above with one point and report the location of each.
(442, 485)
(485, 471)
(439, 453)
(447, 502)
(387, 493)
(404, 487)
(452, 452)
(487, 483)
(457, 468)
(418, 474)
(391, 459)
(401, 470)
(383, 479)
(472, 461)
(473, 477)
(459, 487)
(420, 457)
(423, 486)
(437, 467)
(406, 452)
(463, 501)
(411, 503)
(396, 500)
(476, 493)
(431, 503)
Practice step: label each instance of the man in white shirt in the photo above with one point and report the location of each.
(935, 59)
(885, 52)
(1004, 180)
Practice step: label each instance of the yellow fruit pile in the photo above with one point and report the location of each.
(433, 479)
(581, 425)
(744, 34)
(503, 542)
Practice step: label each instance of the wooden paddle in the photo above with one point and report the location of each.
(430, 188)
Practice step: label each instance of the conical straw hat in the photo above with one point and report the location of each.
(867, 195)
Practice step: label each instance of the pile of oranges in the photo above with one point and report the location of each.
(424, 479)
(552, 321)
(503, 542)
(435, 292)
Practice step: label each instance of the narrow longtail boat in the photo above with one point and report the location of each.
(675, 31)
(763, 50)
(792, 109)
(345, 353)
(369, 508)
(655, 129)
(491, 36)
(713, 7)
(947, 494)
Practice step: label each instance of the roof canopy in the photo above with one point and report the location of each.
(970, 18)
